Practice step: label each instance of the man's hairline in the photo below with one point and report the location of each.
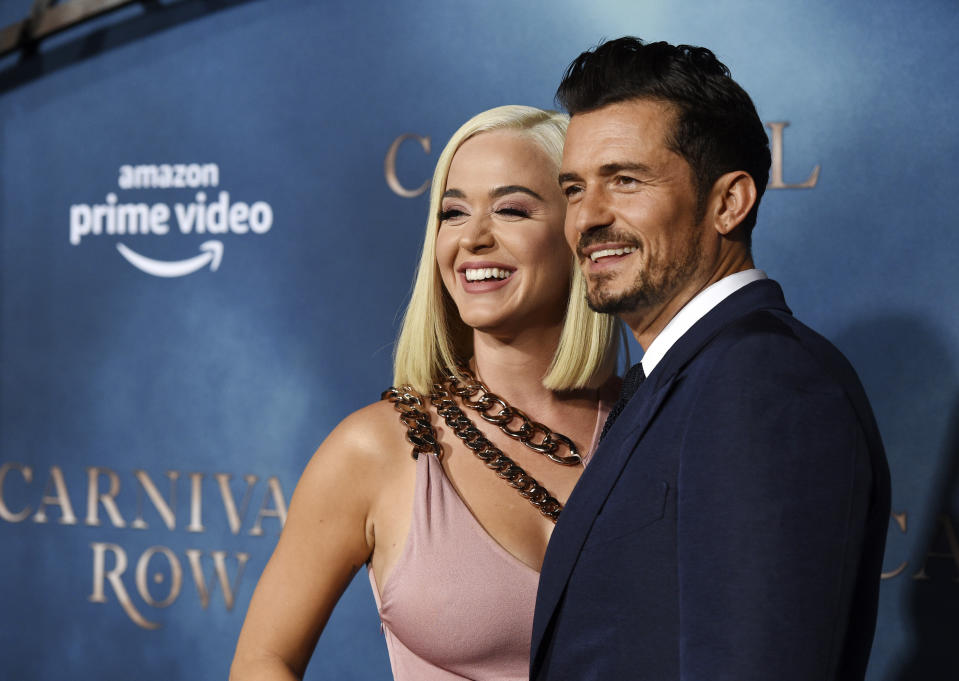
(669, 137)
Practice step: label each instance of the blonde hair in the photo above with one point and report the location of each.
(433, 336)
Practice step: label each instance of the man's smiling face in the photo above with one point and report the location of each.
(633, 217)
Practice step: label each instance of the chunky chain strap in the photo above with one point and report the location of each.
(528, 430)
(419, 430)
(422, 436)
(491, 455)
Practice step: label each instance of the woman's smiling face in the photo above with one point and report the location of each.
(500, 247)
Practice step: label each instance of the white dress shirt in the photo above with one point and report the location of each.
(693, 311)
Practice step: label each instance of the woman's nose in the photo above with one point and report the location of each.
(477, 234)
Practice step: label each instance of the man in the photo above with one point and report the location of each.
(732, 523)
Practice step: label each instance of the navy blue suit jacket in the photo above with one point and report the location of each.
(731, 525)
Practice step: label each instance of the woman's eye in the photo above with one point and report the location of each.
(513, 212)
(451, 214)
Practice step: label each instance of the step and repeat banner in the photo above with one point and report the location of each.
(210, 214)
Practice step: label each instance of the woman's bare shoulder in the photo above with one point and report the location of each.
(371, 436)
(363, 461)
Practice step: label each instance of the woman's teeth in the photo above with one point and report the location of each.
(481, 273)
(605, 253)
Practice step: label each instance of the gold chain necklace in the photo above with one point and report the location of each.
(419, 430)
(528, 429)
(422, 436)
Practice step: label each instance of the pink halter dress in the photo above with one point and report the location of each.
(457, 605)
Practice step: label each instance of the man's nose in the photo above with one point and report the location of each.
(592, 210)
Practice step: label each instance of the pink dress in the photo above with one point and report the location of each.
(457, 605)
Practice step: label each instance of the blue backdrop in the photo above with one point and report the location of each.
(152, 428)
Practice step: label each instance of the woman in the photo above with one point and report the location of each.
(453, 551)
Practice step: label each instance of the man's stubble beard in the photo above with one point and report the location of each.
(654, 285)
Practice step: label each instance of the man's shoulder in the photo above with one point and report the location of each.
(771, 345)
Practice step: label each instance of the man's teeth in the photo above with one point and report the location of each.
(478, 274)
(606, 252)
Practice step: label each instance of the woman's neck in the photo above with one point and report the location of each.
(514, 368)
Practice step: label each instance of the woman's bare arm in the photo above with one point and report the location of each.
(328, 536)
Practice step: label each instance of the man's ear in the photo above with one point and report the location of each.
(732, 197)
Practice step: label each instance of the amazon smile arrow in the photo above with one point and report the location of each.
(213, 253)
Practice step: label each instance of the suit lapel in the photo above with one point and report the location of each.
(608, 461)
(588, 497)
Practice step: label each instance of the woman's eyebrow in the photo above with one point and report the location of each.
(512, 189)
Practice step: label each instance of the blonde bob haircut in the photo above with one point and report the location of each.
(433, 335)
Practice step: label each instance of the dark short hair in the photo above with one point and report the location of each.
(716, 130)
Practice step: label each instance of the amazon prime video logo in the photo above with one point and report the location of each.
(201, 216)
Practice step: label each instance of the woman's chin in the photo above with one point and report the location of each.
(488, 323)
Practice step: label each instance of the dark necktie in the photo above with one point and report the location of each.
(631, 382)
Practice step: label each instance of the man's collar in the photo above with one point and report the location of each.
(693, 311)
